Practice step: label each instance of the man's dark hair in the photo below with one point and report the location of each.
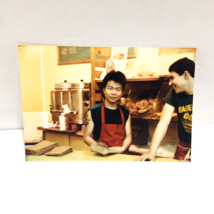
(116, 76)
(182, 65)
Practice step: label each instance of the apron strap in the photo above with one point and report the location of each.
(121, 113)
(103, 113)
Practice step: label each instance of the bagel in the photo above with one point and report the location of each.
(142, 104)
(143, 110)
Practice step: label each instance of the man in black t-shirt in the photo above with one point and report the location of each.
(180, 98)
(109, 123)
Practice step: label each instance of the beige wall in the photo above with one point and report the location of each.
(31, 122)
(148, 57)
(167, 59)
(54, 73)
(158, 63)
(145, 56)
(30, 76)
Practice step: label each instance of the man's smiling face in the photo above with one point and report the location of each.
(113, 91)
(179, 83)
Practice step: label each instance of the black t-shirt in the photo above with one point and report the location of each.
(112, 116)
(183, 104)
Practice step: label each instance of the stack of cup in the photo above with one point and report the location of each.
(66, 109)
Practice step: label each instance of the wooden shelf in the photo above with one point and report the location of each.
(140, 79)
(167, 51)
(138, 116)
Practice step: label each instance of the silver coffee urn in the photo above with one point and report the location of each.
(76, 96)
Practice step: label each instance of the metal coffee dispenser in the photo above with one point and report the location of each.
(76, 96)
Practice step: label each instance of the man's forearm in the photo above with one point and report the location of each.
(89, 140)
(127, 142)
(158, 136)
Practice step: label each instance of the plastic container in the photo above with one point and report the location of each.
(63, 124)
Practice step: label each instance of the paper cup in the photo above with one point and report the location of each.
(66, 109)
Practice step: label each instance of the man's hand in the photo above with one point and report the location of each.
(102, 144)
(146, 156)
(117, 149)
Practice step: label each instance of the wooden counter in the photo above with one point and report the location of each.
(91, 156)
(63, 138)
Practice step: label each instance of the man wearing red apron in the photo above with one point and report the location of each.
(109, 123)
(180, 98)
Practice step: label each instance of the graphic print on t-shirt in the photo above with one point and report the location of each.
(186, 119)
(183, 105)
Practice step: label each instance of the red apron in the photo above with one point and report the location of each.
(112, 134)
(183, 151)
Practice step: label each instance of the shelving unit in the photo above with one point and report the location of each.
(175, 118)
(136, 83)
(138, 86)
(130, 83)
(96, 82)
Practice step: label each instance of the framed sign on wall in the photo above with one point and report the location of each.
(76, 55)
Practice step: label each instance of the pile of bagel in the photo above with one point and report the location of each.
(143, 106)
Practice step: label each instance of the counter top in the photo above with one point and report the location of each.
(55, 130)
(91, 156)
